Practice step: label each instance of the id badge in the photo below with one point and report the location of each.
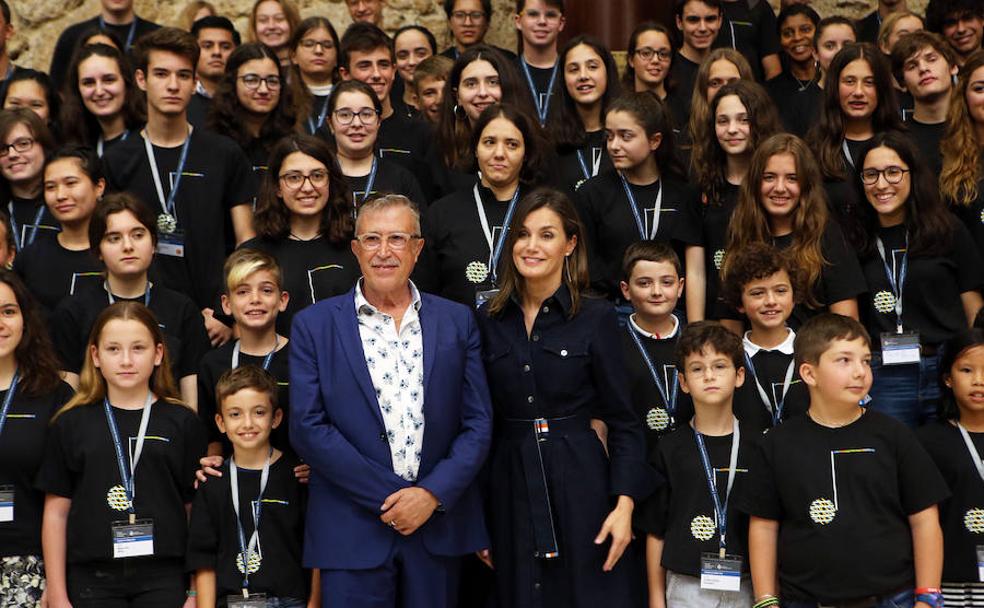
(171, 245)
(980, 563)
(720, 574)
(255, 600)
(484, 295)
(133, 540)
(899, 349)
(6, 504)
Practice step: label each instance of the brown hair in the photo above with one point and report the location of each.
(910, 44)
(888, 24)
(245, 377)
(962, 167)
(118, 202)
(756, 261)
(437, 67)
(814, 337)
(649, 251)
(699, 103)
(92, 384)
(575, 276)
(35, 356)
(290, 11)
(187, 17)
(709, 334)
(169, 39)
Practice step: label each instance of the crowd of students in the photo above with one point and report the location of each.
(768, 238)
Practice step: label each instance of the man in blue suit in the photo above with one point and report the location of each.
(390, 407)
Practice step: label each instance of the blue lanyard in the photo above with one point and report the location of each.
(896, 286)
(669, 397)
(127, 473)
(720, 509)
(495, 250)
(8, 400)
(129, 35)
(595, 164)
(787, 381)
(321, 117)
(635, 210)
(371, 181)
(112, 298)
(34, 228)
(542, 109)
(101, 142)
(167, 204)
(247, 549)
(266, 360)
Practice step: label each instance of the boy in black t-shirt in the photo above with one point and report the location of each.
(762, 285)
(247, 527)
(843, 501)
(696, 539)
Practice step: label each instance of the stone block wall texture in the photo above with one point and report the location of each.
(38, 22)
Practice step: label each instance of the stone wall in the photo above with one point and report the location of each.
(38, 22)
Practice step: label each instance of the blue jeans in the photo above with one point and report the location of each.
(908, 392)
(903, 599)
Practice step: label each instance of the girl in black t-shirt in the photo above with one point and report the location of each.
(304, 219)
(782, 203)
(54, 268)
(923, 276)
(741, 115)
(24, 142)
(648, 59)
(252, 104)
(354, 112)
(313, 70)
(590, 85)
(720, 67)
(795, 88)
(32, 394)
(101, 105)
(119, 471)
(955, 443)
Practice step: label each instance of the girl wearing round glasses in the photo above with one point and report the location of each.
(314, 70)
(649, 57)
(304, 219)
(24, 141)
(251, 105)
(923, 274)
(355, 110)
(590, 85)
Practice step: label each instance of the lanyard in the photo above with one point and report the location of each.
(321, 117)
(847, 152)
(129, 34)
(8, 400)
(542, 105)
(974, 455)
(635, 210)
(595, 164)
(786, 381)
(896, 286)
(247, 549)
(720, 509)
(266, 360)
(112, 298)
(495, 250)
(18, 245)
(101, 142)
(127, 474)
(167, 204)
(669, 396)
(371, 181)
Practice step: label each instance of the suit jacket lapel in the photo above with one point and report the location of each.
(429, 326)
(347, 324)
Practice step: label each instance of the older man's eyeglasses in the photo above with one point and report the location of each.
(372, 241)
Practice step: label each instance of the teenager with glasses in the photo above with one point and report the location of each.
(304, 219)
(24, 141)
(649, 58)
(468, 21)
(539, 23)
(314, 70)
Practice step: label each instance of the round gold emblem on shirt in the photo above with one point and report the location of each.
(116, 497)
(974, 521)
(822, 511)
(884, 302)
(657, 419)
(476, 272)
(702, 527)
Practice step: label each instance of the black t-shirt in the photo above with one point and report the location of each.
(22, 448)
(972, 216)
(594, 153)
(610, 227)
(69, 39)
(213, 538)
(456, 260)
(216, 178)
(178, 317)
(868, 27)
(927, 139)
(544, 94)
(931, 301)
(798, 102)
(682, 512)
(391, 178)
(771, 366)
(218, 361)
(52, 272)
(647, 401)
(715, 219)
(25, 218)
(682, 77)
(960, 515)
(80, 464)
(198, 109)
(311, 270)
(409, 143)
(842, 497)
(751, 31)
(319, 105)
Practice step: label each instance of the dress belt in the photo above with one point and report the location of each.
(538, 431)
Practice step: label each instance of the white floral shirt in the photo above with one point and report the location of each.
(396, 365)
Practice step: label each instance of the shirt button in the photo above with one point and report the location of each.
(546, 309)
(382, 436)
(536, 337)
(530, 399)
(526, 368)
(563, 352)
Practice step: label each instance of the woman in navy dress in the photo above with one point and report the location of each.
(560, 506)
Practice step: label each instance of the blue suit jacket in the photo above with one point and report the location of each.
(336, 426)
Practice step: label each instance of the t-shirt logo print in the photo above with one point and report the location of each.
(823, 510)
